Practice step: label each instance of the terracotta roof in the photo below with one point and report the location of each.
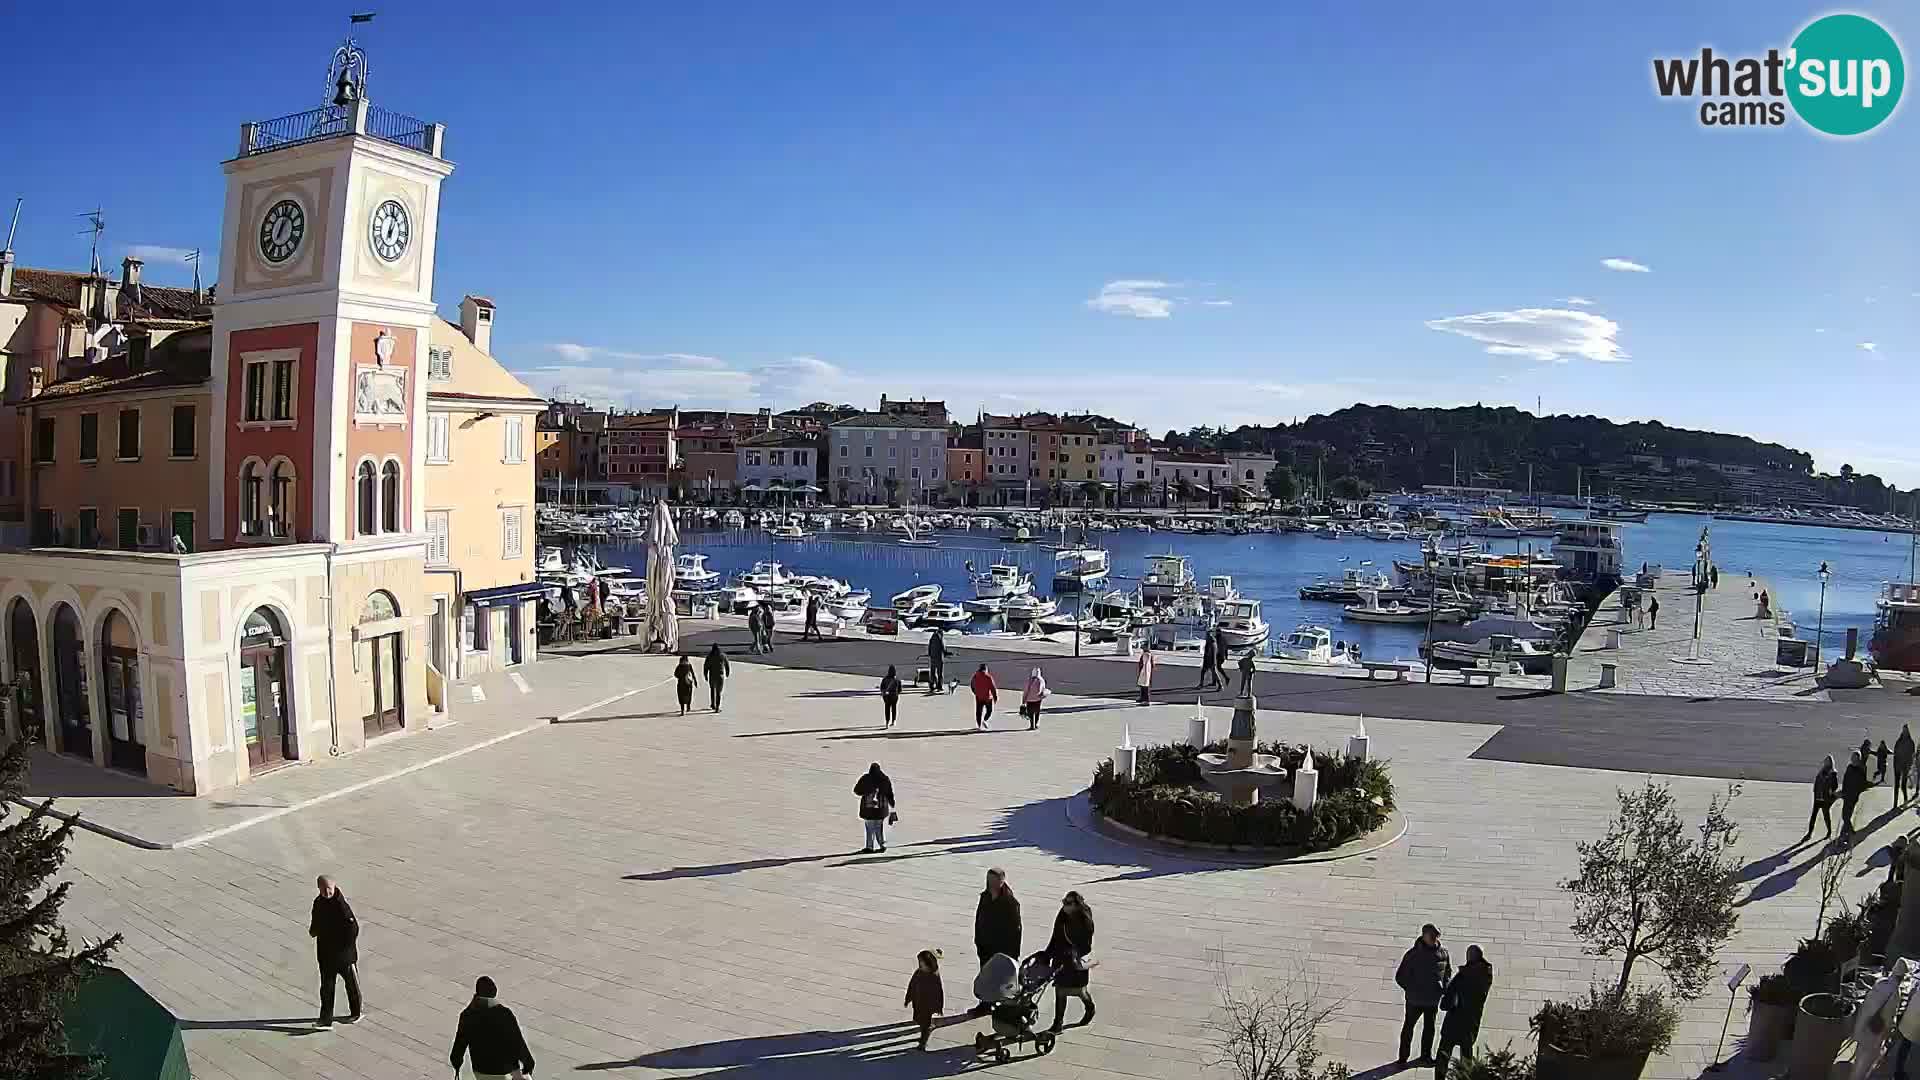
(628, 420)
(780, 439)
(887, 420)
(61, 288)
(183, 359)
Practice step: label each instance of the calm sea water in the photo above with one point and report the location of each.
(1273, 566)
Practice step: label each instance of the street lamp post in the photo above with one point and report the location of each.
(1820, 632)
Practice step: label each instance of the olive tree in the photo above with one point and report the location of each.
(1648, 889)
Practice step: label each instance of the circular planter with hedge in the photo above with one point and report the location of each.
(1169, 798)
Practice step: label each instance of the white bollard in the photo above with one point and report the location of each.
(1123, 644)
(1357, 742)
(1123, 761)
(1613, 640)
(1306, 784)
(1197, 732)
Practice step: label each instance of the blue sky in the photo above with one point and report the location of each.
(773, 204)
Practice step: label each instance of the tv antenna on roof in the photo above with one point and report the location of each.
(194, 258)
(15, 223)
(96, 224)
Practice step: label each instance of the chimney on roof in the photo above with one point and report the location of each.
(6, 272)
(476, 321)
(130, 273)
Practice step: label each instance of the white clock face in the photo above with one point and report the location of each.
(281, 231)
(389, 230)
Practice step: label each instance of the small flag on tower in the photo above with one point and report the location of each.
(361, 16)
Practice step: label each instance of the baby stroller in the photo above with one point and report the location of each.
(1014, 992)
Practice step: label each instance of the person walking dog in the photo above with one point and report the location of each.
(1036, 692)
(876, 806)
(984, 690)
(1424, 973)
(996, 926)
(490, 1034)
(1464, 1002)
(717, 671)
(335, 931)
(890, 695)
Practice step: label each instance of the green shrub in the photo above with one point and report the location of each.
(1812, 966)
(1774, 990)
(1168, 796)
(1603, 1025)
(1501, 1064)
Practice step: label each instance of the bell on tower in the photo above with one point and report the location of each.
(347, 73)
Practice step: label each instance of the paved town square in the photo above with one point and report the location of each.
(666, 896)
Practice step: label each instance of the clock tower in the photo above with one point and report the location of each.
(320, 326)
(319, 365)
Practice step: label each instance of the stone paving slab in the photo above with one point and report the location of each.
(666, 896)
(129, 809)
(1738, 645)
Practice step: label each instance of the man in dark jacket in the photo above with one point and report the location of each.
(1464, 1001)
(936, 661)
(1424, 973)
(996, 925)
(1853, 784)
(490, 1033)
(812, 628)
(336, 935)
(1209, 662)
(717, 669)
(875, 790)
(1902, 767)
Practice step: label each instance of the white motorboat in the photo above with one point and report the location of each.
(1487, 626)
(985, 605)
(862, 521)
(1240, 625)
(982, 521)
(1001, 579)
(1117, 605)
(917, 600)
(1311, 645)
(1077, 569)
(1496, 651)
(1168, 576)
(1370, 609)
(788, 532)
(1352, 587)
(850, 608)
(742, 598)
(946, 615)
(1030, 607)
(734, 519)
(1220, 589)
(765, 575)
(1021, 535)
(690, 572)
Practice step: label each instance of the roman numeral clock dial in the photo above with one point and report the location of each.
(281, 231)
(390, 230)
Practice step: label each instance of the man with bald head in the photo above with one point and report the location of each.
(335, 934)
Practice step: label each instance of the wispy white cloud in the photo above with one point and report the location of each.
(1216, 303)
(1554, 334)
(1869, 346)
(1576, 301)
(157, 253)
(1626, 266)
(1138, 298)
(1819, 329)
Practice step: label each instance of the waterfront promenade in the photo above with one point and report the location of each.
(1736, 653)
(660, 896)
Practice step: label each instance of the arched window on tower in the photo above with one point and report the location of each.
(366, 497)
(280, 500)
(390, 497)
(250, 499)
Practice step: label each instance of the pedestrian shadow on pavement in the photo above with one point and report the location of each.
(285, 1025)
(1785, 879)
(880, 1051)
(803, 731)
(951, 845)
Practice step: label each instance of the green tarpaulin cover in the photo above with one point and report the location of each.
(135, 1036)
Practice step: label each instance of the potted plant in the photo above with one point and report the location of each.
(1606, 1036)
(1501, 1064)
(1771, 1004)
(1813, 968)
(1646, 888)
(1818, 1032)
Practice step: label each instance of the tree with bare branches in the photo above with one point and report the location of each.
(1272, 1032)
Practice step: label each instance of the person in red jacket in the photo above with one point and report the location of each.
(983, 692)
